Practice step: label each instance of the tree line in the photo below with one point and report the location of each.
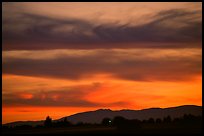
(118, 121)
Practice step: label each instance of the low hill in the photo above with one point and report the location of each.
(98, 115)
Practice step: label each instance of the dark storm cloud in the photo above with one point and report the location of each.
(137, 68)
(39, 32)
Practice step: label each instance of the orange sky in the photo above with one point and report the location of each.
(136, 95)
(59, 62)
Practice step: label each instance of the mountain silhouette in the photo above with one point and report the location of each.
(98, 115)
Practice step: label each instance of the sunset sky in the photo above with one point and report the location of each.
(59, 59)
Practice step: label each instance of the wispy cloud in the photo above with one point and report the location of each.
(148, 65)
(73, 96)
(42, 32)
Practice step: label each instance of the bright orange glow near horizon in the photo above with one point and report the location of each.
(136, 94)
(59, 59)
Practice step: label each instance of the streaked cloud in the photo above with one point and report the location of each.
(73, 96)
(27, 31)
(148, 65)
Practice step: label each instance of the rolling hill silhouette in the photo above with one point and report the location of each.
(98, 115)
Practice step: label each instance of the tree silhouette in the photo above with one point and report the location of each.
(167, 119)
(185, 124)
(119, 120)
(80, 124)
(133, 124)
(150, 120)
(106, 121)
(158, 120)
(124, 124)
(48, 121)
(66, 122)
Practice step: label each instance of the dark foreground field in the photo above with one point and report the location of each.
(186, 125)
(99, 129)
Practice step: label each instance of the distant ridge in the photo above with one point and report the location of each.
(97, 115)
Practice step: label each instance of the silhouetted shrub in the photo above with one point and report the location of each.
(66, 122)
(119, 121)
(158, 121)
(62, 123)
(65, 119)
(48, 122)
(125, 124)
(144, 121)
(177, 120)
(80, 124)
(167, 119)
(106, 121)
(150, 120)
(190, 119)
(133, 124)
